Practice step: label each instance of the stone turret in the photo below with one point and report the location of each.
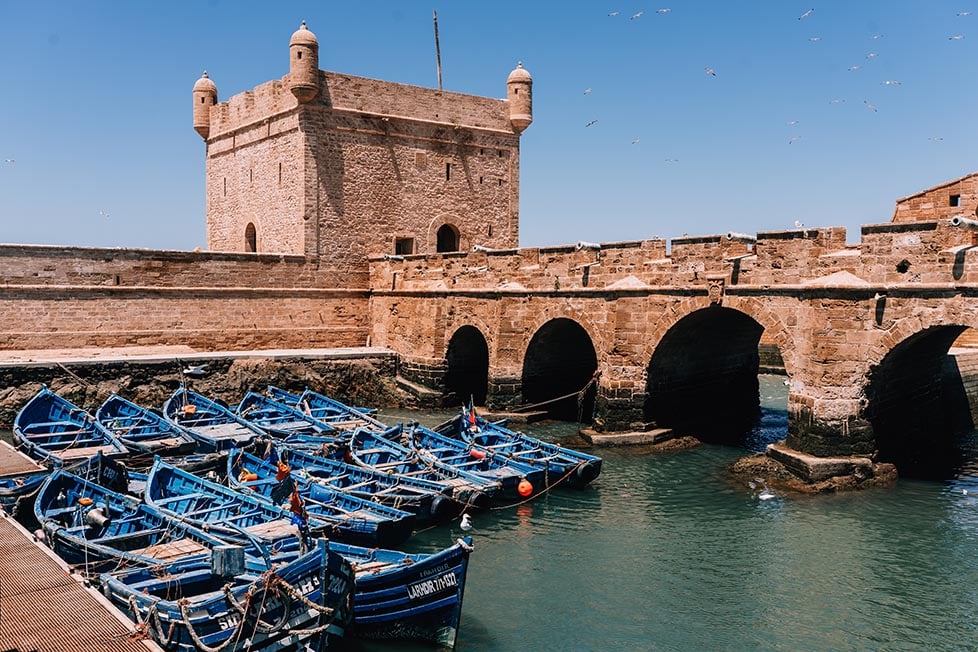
(519, 91)
(205, 96)
(304, 64)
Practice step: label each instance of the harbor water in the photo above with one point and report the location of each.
(666, 551)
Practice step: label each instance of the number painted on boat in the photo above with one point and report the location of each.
(432, 586)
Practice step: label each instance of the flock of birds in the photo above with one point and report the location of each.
(814, 39)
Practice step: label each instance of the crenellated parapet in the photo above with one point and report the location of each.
(889, 254)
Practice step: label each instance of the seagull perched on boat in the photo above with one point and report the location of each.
(196, 370)
(466, 523)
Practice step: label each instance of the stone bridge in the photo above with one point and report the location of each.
(674, 331)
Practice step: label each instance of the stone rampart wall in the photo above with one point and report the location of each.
(58, 298)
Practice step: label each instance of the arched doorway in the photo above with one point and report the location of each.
(251, 238)
(703, 377)
(447, 238)
(468, 368)
(918, 405)
(561, 360)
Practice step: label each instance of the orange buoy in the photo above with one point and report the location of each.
(85, 501)
(524, 488)
(476, 454)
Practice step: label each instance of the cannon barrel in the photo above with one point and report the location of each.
(964, 223)
(481, 248)
(741, 237)
(587, 245)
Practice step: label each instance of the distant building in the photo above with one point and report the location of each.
(957, 198)
(340, 168)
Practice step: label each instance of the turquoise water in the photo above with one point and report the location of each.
(667, 552)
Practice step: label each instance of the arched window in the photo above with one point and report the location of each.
(251, 238)
(448, 239)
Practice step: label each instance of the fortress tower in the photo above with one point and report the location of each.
(341, 168)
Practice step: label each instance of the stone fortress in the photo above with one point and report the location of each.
(350, 212)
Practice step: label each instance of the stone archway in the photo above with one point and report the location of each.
(560, 360)
(702, 378)
(467, 374)
(918, 405)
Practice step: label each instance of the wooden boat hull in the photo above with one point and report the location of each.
(215, 427)
(303, 605)
(142, 430)
(562, 466)
(420, 600)
(351, 519)
(53, 430)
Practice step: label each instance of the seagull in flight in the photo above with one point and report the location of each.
(666, 10)
(635, 141)
(854, 68)
(591, 123)
(638, 15)
(8, 160)
(587, 91)
(613, 13)
(891, 82)
(964, 13)
(837, 101)
(876, 37)
(806, 14)
(104, 214)
(814, 39)
(956, 37)
(792, 123)
(935, 139)
(794, 139)
(710, 71)
(672, 160)
(872, 55)
(870, 106)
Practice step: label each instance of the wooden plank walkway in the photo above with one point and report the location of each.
(14, 463)
(44, 608)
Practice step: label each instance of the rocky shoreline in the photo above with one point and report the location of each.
(362, 381)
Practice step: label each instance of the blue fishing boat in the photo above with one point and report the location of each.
(143, 430)
(353, 519)
(518, 481)
(53, 430)
(428, 501)
(383, 454)
(408, 596)
(213, 425)
(326, 410)
(232, 515)
(280, 419)
(97, 529)
(561, 466)
(190, 605)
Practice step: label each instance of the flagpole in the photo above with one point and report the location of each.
(437, 47)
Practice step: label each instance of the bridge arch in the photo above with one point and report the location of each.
(559, 360)
(467, 367)
(915, 399)
(702, 374)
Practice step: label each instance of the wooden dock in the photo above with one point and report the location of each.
(45, 608)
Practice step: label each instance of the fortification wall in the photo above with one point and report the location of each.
(255, 176)
(957, 197)
(56, 298)
(889, 254)
(366, 164)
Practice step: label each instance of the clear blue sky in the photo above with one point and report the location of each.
(96, 109)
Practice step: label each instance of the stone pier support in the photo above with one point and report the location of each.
(828, 427)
